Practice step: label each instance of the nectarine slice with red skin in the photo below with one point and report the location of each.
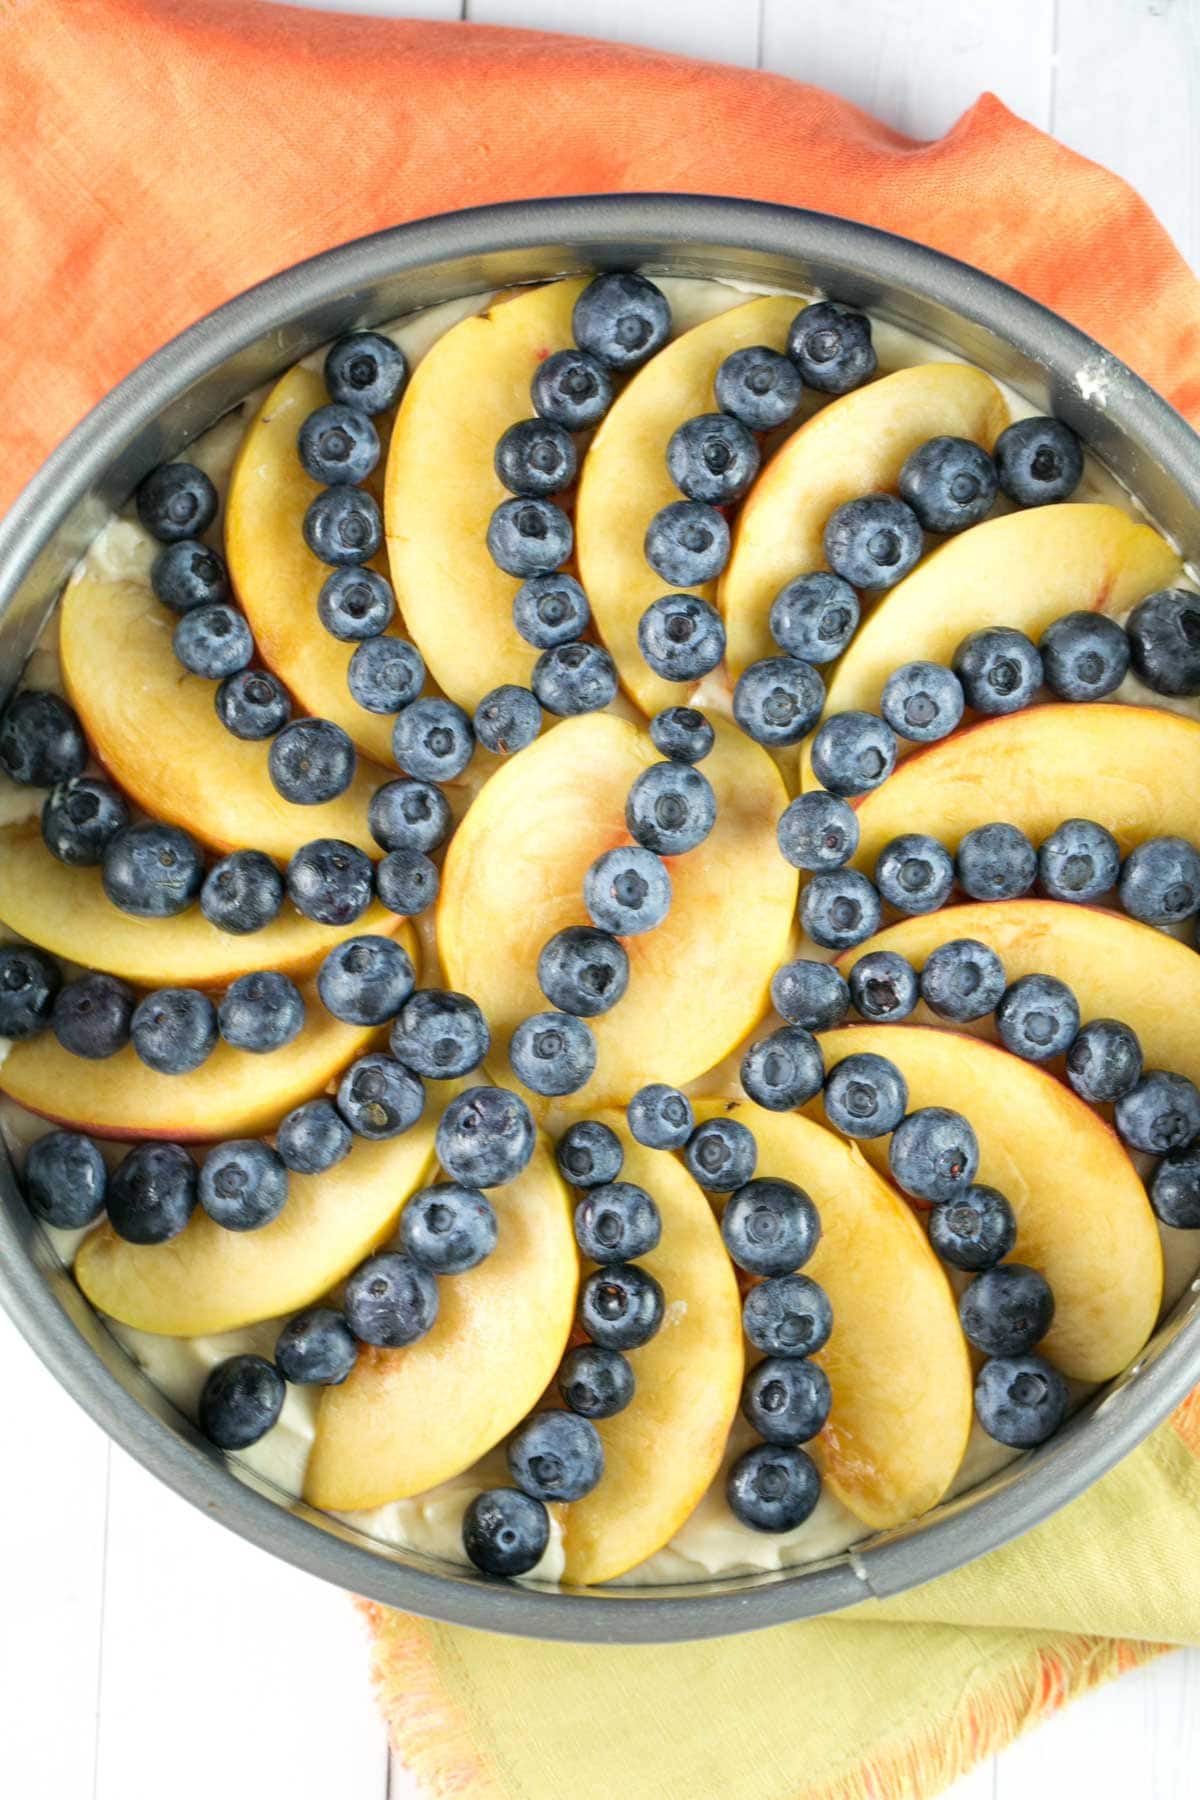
(1083, 1219)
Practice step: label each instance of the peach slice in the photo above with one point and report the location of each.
(1116, 967)
(853, 446)
(1025, 569)
(67, 911)
(897, 1360)
(276, 575)
(513, 876)
(1132, 768)
(662, 1452)
(442, 488)
(209, 1279)
(625, 479)
(155, 729)
(1083, 1218)
(407, 1419)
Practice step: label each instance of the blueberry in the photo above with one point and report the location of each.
(883, 987)
(1020, 1400)
(551, 609)
(1164, 641)
(366, 370)
(1160, 882)
(682, 733)
(853, 753)
(787, 1315)
(962, 980)
(507, 719)
(873, 542)
(243, 1184)
(620, 1306)
(407, 882)
(241, 893)
(408, 815)
(433, 740)
(572, 389)
(379, 1098)
(811, 994)
(865, 1096)
(627, 891)
(583, 971)
(92, 1016)
(330, 881)
(786, 1399)
(974, 1231)
(1084, 656)
(174, 1030)
(671, 808)
(535, 458)
(687, 543)
(485, 1137)
(29, 983)
(1104, 1062)
(949, 482)
(617, 1223)
(253, 705)
(366, 980)
(529, 537)
(1161, 1113)
(312, 761)
(316, 1348)
(152, 1193)
(1037, 1018)
(758, 386)
(814, 617)
(338, 445)
(1005, 1311)
(342, 526)
(41, 741)
(589, 1154)
(385, 674)
(818, 831)
(621, 319)
(213, 641)
(504, 1532)
(721, 1155)
(922, 701)
(187, 574)
(553, 1053)
(313, 1137)
(681, 637)
(839, 909)
(712, 457)
(996, 862)
(1000, 670)
(660, 1117)
(1174, 1188)
(770, 1226)
(153, 871)
(261, 1012)
(934, 1154)
(80, 817)
(595, 1383)
(778, 701)
(1079, 861)
(176, 501)
(1038, 461)
(914, 873)
(355, 604)
(783, 1070)
(440, 1034)
(240, 1401)
(773, 1487)
(556, 1456)
(65, 1180)
(449, 1228)
(391, 1300)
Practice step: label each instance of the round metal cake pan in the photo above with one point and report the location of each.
(166, 402)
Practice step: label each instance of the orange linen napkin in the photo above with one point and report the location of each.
(157, 156)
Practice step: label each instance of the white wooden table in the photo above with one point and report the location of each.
(145, 1652)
